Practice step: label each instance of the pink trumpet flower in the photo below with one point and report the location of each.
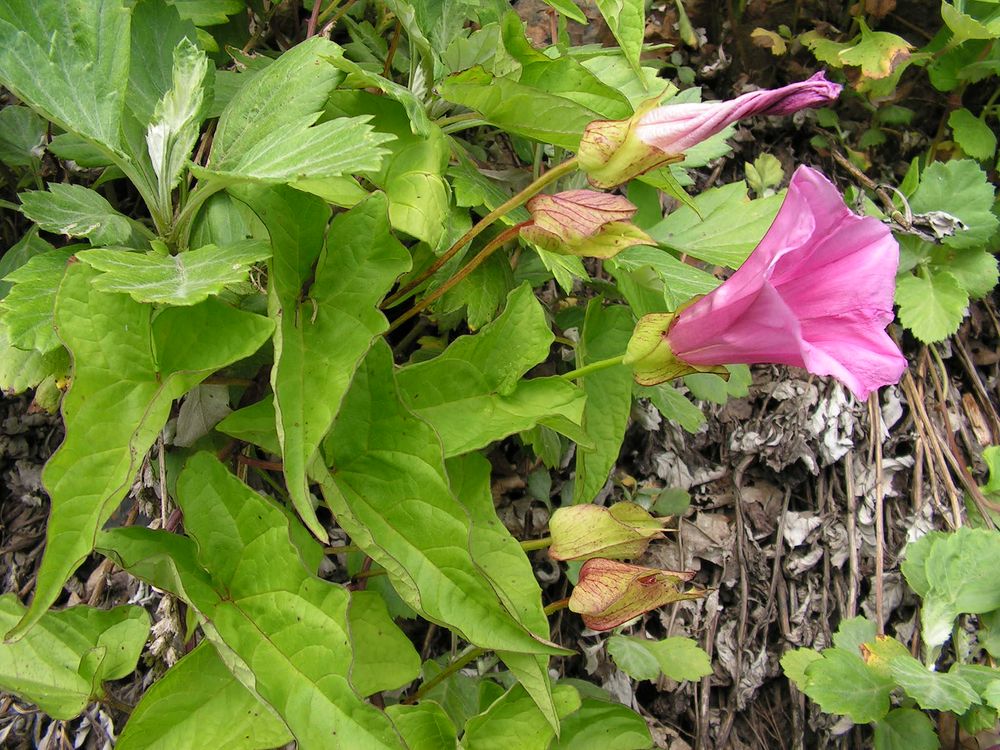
(614, 151)
(816, 293)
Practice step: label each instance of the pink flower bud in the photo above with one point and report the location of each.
(623, 531)
(609, 593)
(583, 222)
(816, 293)
(614, 151)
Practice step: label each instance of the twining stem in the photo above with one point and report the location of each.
(601, 364)
(533, 544)
(556, 606)
(499, 241)
(471, 655)
(535, 187)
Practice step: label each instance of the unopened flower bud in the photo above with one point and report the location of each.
(609, 593)
(623, 531)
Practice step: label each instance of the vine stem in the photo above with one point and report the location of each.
(533, 544)
(601, 364)
(556, 606)
(499, 241)
(471, 655)
(535, 187)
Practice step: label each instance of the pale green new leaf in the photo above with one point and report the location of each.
(932, 305)
(184, 279)
(603, 725)
(678, 658)
(199, 704)
(481, 375)
(157, 30)
(424, 726)
(389, 491)
(906, 729)
(627, 21)
(268, 134)
(62, 663)
(128, 369)
(513, 720)
(22, 135)
(177, 117)
(841, 683)
(606, 332)
(504, 563)
(26, 312)
(940, 691)
(729, 226)
(69, 61)
(78, 212)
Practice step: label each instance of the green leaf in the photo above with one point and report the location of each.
(395, 503)
(960, 188)
(128, 371)
(567, 78)
(975, 269)
(78, 212)
(603, 725)
(939, 691)
(729, 226)
(877, 53)
(795, 662)
(481, 374)
(504, 563)
(184, 279)
(853, 633)
(975, 137)
(267, 132)
(62, 664)
(841, 683)
(27, 310)
(627, 21)
(254, 424)
(518, 108)
(424, 726)
(21, 369)
(605, 334)
(672, 405)
(513, 720)
(69, 62)
(176, 120)
(667, 277)
(906, 729)
(384, 658)
(198, 703)
(932, 306)
(22, 136)
(208, 12)
(569, 9)
(678, 658)
(418, 121)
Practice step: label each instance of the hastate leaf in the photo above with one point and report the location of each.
(388, 489)
(128, 369)
(183, 279)
(78, 212)
(63, 662)
(268, 134)
(198, 703)
(481, 375)
(69, 61)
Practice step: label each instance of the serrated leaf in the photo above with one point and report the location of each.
(280, 629)
(605, 334)
(395, 503)
(198, 703)
(18, 254)
(975, 137)
(22, 135)
(931, 306)
(499, 555)
(157, 30)
(960, 188)
(914, 566)
(627, 21)
(183, 279)
(795, 662)
(268, 134)
(27, 310)
(69, 62)
(602, 725)
(853, 633)
(385, 662)
(424, 726)
(841, 683)
(906, 729)
(128, 369)
(21, 369)
(729, 225)
(513, 720)
(482, 374)
(78, 212)
(176, 120)
(62, 664)
(939, 691)
(678, 658)
(975, 269)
